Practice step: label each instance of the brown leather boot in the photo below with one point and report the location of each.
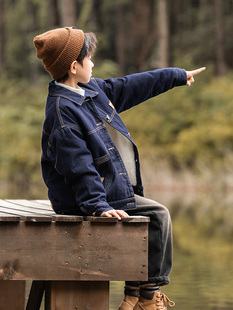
(128, 303)
(157, 303)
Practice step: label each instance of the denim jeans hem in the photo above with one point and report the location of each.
(160, 281)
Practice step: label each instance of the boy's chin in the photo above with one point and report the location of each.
(86, 81)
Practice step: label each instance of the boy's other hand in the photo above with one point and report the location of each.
(117, 213)
(190, 74)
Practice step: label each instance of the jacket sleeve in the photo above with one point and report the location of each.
(73, 160)
(133, 89)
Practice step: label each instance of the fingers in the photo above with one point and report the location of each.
(106, 214)
(190, 74)
(197, 71)
(116, 213)
(190, 81)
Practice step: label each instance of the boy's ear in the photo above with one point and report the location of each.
(73, 67)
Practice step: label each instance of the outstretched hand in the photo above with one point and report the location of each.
(190, 74)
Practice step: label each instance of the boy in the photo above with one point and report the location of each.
(90, 163)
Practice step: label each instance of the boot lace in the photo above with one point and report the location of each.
(162, 300)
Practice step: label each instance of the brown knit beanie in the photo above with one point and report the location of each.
(58, 48)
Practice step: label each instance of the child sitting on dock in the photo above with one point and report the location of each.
(90, 163)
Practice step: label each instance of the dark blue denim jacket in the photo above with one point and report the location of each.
(81, 166)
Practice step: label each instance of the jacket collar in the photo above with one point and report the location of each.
(59, 91)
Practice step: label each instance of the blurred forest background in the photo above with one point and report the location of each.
(185, 137)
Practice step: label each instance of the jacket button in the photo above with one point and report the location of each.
(108, 117)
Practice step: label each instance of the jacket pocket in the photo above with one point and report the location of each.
(104, 167)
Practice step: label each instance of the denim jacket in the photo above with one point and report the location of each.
(81, 165)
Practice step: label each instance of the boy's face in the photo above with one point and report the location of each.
(84, 71)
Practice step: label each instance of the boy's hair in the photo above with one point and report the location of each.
(88, 49)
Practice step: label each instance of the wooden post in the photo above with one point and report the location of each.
(82, 295)
(36, 295)
(12, 295)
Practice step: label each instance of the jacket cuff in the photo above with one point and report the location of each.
(181, 76)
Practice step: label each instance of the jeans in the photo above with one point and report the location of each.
(159, 243)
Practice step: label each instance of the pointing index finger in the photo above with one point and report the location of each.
(194, 72)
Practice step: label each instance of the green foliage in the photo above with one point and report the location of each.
(105, 69)
(21, 118)
(16, 48)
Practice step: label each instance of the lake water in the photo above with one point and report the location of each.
(202, 275)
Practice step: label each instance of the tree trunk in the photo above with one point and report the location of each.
(120, 39)
(220, 57)
(96, 17)
(68, 13)
(143, 33)
(176, 25)
(2, 35)
(53, 13)
(163, 34)
(32, 21)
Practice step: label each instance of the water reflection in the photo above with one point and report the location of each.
(203, 266)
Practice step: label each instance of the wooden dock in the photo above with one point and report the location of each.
(71, 258)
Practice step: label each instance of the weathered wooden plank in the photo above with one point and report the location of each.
(103, 219)
(73, 251)
(77, 295)
(38, 218)
(43, 202)
(130, 219)
(27, 216)
(32, 204)
(25, 213)
(34, 215)
(67, 218)
(12, 295)
(136, 219)
(6, 217)
(25, 207)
